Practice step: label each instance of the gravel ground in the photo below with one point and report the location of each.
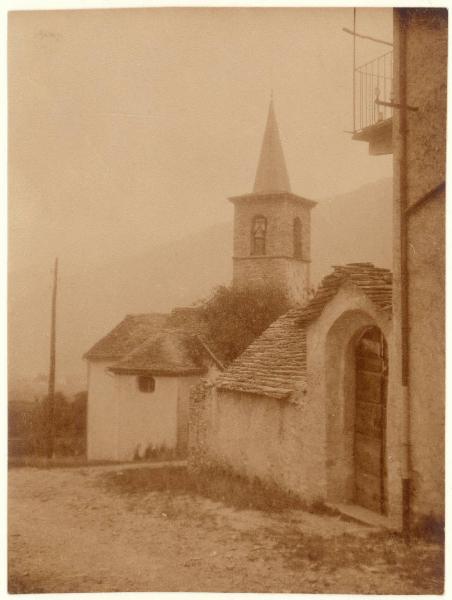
(69, 532)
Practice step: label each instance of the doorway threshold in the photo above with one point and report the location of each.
(366, 516)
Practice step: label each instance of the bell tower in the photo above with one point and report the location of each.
(272, 226)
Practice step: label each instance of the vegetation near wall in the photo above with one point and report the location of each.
(236, 317)
(28, 421)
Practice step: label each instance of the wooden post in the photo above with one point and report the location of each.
(51, 392)
(354, 69)
(402, 15)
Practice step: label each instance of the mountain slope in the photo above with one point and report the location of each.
(348, 228)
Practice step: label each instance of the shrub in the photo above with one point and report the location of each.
(235, 318)
(28, 424)
(430, 528)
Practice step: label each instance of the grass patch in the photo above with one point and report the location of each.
(430, 529)
(159, 454)
(214, 483)
(42, 462)
(66, 462)
(420, 562)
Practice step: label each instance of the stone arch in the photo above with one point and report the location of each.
(341, 341)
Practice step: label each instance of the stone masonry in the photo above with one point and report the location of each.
(281, 264)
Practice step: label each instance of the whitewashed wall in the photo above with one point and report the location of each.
(266, 438)
(331, 368)
(102, 409)
(123, 421)
(304, 445)
(145, 419)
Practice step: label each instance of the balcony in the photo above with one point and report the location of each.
(372, 104)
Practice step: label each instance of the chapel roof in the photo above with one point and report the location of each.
(274, 364)
(136, 339)
(167, 352)
(132, 331)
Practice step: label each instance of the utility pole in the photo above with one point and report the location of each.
(51, 392)
(354, 69)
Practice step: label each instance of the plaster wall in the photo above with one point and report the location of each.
(426, 148)
(304, 444)
(101, 415)
(331, 370)
(145, 420)
(261, 437)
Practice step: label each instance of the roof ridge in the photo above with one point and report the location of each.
(365, 276)
(150, 314)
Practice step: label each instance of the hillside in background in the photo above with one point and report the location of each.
(353, 227)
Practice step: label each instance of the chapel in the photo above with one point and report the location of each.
(309, 405)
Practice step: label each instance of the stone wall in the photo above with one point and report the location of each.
(280, 211)
(291, 276)
(198, 425)
(278, 267)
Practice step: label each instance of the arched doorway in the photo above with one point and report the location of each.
(371, 381)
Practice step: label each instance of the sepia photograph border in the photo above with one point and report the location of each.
(28, 5)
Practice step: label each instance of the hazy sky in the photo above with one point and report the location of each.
(128, 128)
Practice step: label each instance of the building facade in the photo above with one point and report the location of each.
(416, 135)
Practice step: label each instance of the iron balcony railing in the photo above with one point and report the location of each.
(373, 93)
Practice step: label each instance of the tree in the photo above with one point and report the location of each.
(79, 405)
(234, 318)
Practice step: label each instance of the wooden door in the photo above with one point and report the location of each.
(370, 420)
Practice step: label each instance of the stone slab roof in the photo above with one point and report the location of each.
(190, 319)
(132, 331)
(375, 282)
(274, 364)
(168, 352)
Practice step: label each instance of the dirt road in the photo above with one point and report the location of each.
(69, 532)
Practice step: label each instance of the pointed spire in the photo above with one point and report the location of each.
(271, 173)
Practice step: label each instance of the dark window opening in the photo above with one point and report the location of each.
(258, 235)
(297, 238)
(146, 384)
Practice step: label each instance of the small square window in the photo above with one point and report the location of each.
(146, 384)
